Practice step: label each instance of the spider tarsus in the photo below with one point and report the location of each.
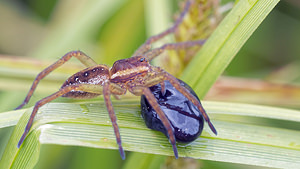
(21, 139)
(211, 126)
(175, 150)
(122, 153)
(20, 106)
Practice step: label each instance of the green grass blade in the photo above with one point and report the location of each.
(88, 124)
(225, 42)
(145, 161)
(10, 118)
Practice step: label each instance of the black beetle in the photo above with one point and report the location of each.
(185, 118)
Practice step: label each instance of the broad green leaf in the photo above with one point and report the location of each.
(87, 124)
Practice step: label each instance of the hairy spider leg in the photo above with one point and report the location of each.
(172, 46)
(82, 57)
(147, 45)
(78, 87)
(152, 101)
(183, 91)
(113, 118)
(159, 75)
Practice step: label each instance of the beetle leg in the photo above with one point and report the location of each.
(79, 87)
(83, 58)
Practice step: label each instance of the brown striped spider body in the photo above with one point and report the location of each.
(134, 74)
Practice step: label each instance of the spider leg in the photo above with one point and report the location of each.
(113, 118)
(147, 45)
(184, 91)
(161, 75)
(83, 58)
(172, 46)
(151, 99)
(117, 97)
(79, 87)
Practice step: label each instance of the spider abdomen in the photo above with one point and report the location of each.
(96, 75)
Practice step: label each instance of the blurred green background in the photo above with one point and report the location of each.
(42, 31)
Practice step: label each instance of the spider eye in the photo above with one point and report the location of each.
(142, 59)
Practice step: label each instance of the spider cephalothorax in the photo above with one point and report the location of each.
(134, 74)
(126, 69)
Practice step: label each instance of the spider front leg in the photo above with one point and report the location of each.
(83, 58)
(152, 101)
(147, 45)
(144, 90)
(78, 87)
(181, 89)
(159, 75)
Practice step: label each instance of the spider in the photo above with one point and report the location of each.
(134, 74)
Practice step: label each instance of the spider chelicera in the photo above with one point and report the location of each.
(134, 74)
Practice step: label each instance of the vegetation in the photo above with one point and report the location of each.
(77, 133)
